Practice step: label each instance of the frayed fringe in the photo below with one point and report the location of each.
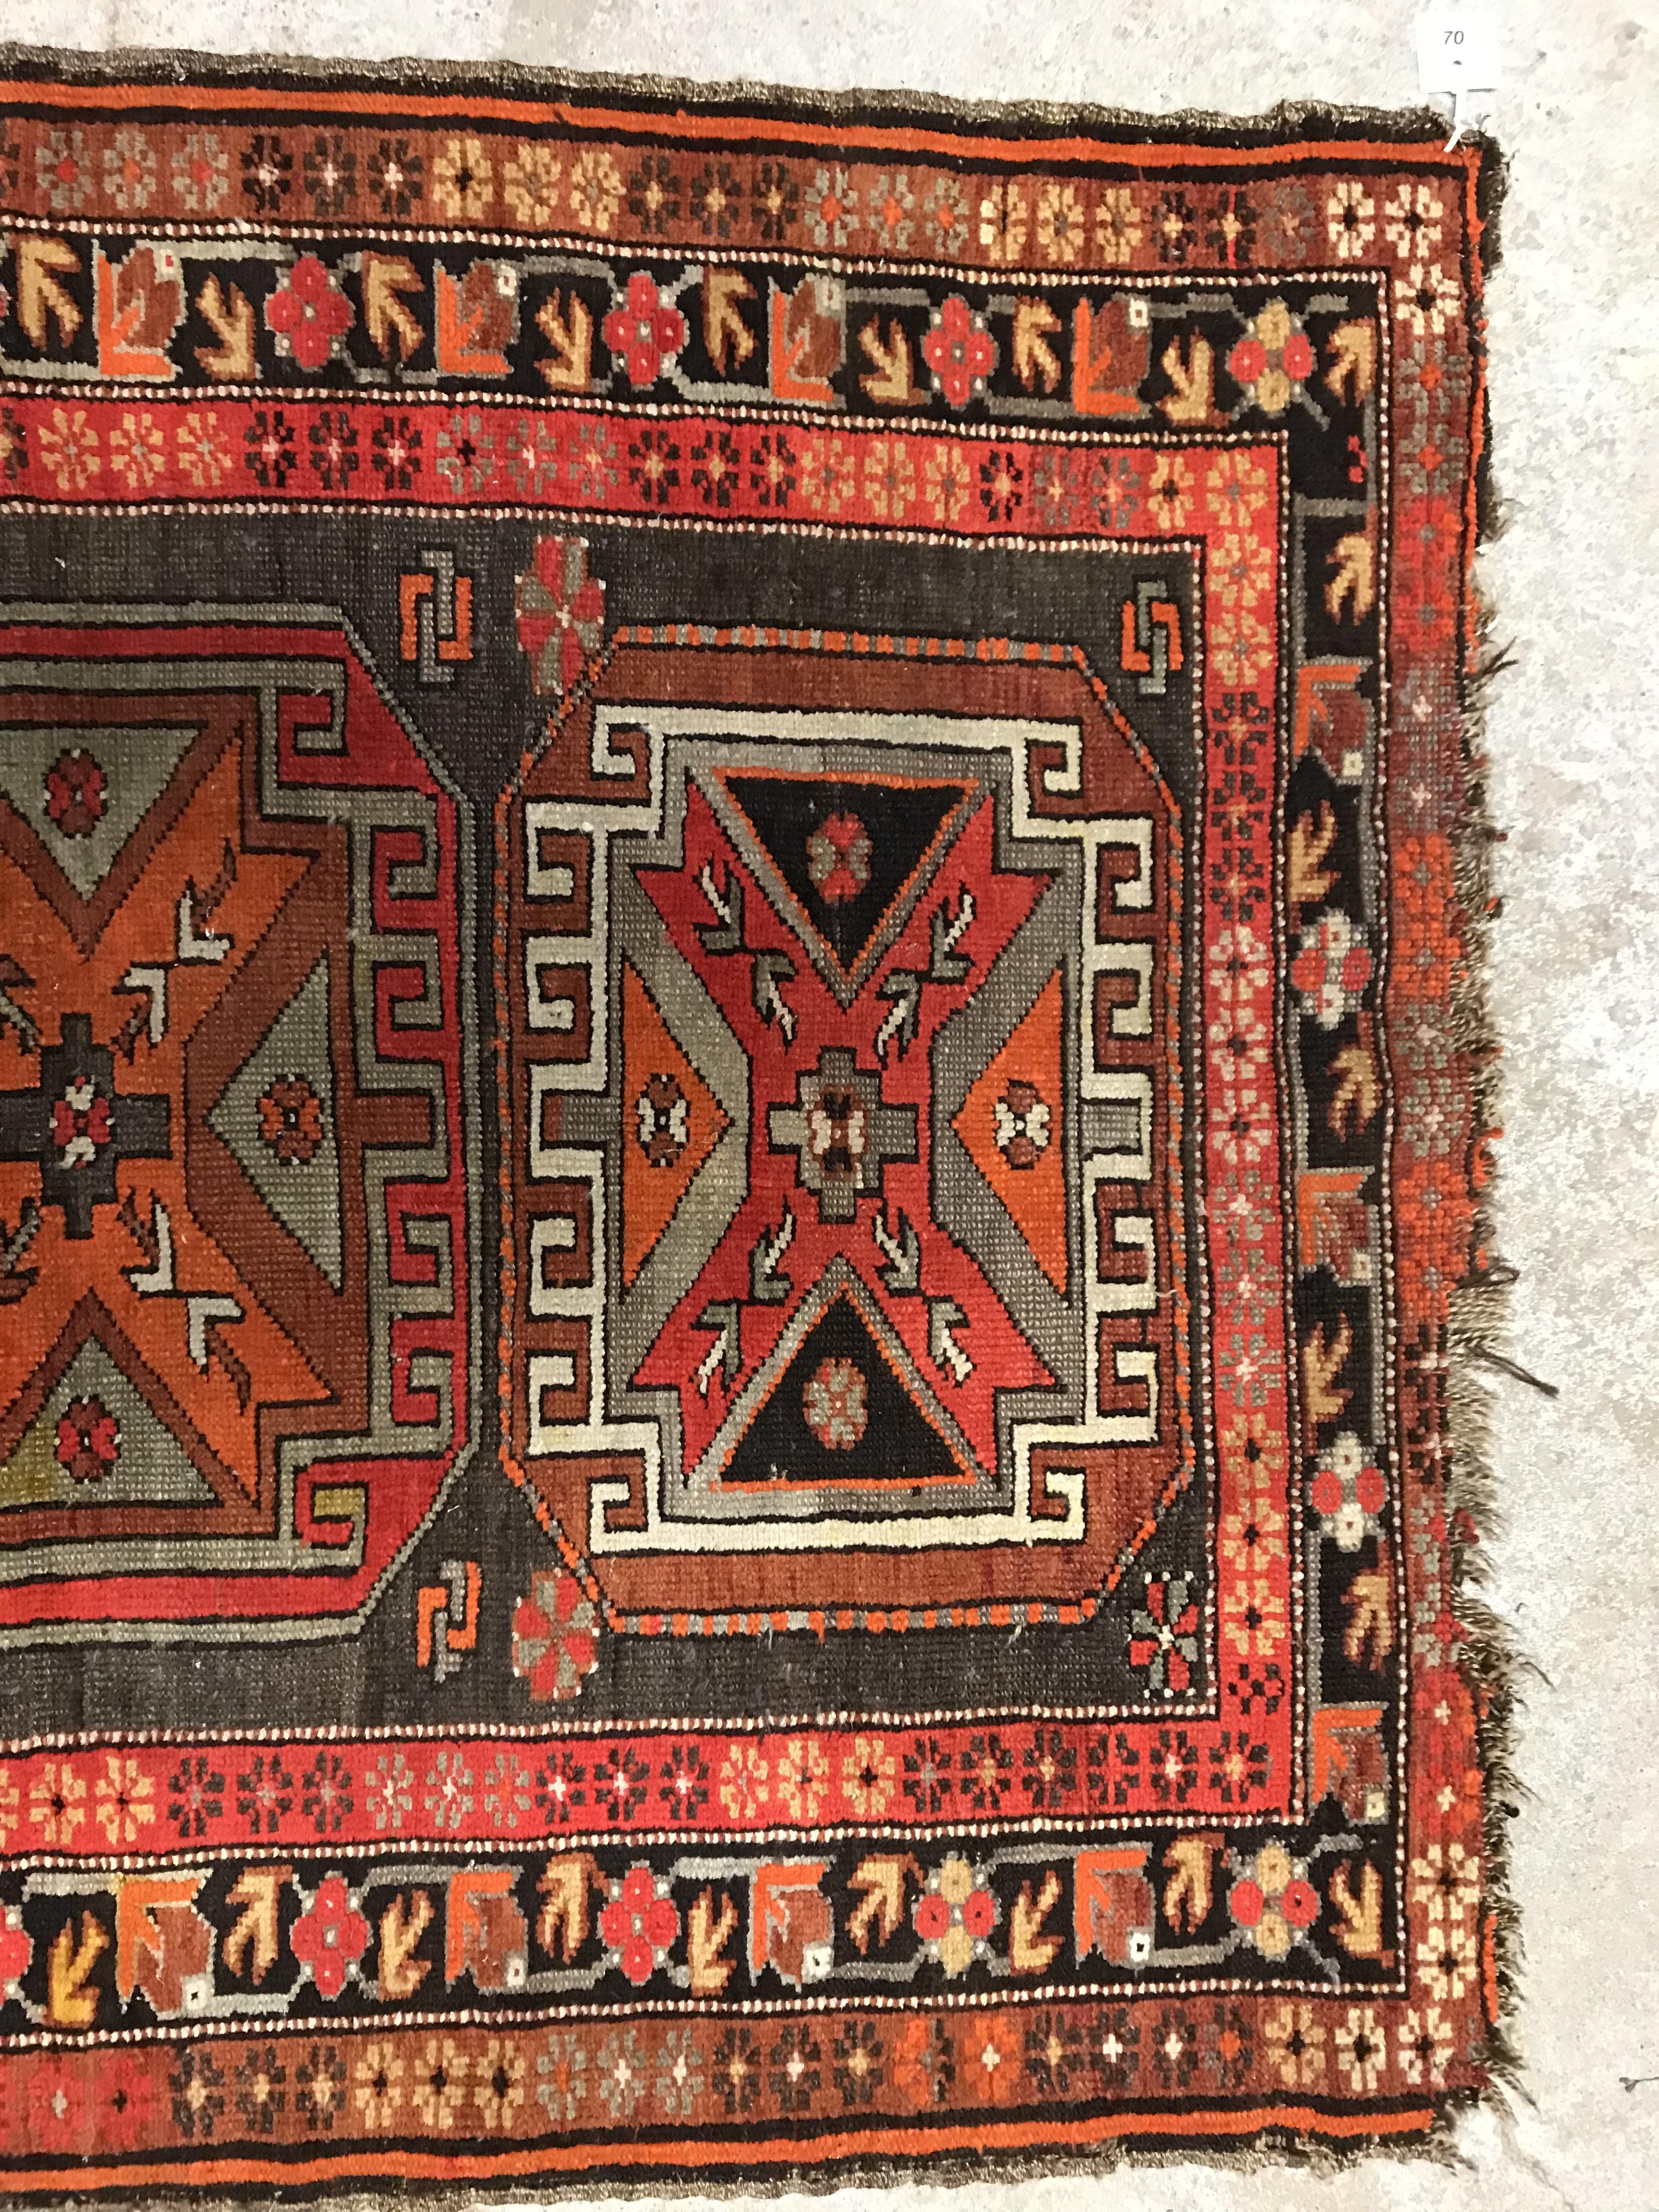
(1491, 1657)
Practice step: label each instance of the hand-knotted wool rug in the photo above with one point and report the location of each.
(741, 1133)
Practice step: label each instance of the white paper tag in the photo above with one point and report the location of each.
(1457, 52)
(1457, 58)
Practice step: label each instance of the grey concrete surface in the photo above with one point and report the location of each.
(1575, 337)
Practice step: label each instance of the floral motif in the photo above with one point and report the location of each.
(774, 199)
(561, 2075)
(1347, 1491)
(197, 2087)
(1001, 479)
(201, 173)
(62, 171)
(447, 1802)
(1270, 363)
(1424, 2044)
(639, 1924)
(75, 792)
(261, 2094)
(508, 1793)
(395, 450)
(204, 450)
(954, 1916)
(959, 351)
(68, 449)
(869, 1776)
(1361, 2050)
(334, 455)
(652, 469)
(653, 195)
(122, 1799)
(831, 207)
(716, 468)
(389, 1792)
(267, 172)
(646, 332)
(498, 2083)
(745, 1775)
(330, 1936)
(948, 482)
(396, 174)
(772, 469)
(1350, 219)
(595, 190)
(129, 169)
(1295, 2041)
(943, 220)
(986, 1772)
(329, 173)
(265, 1795)
(440, 2084)
(1414, 218)
(1426, 300)
(378, 2086)
(619, 1782)
(291, 1120)
(555, 1636)
(893, 207)
(834, 1406)
(1163, 1641)
(325, 1793)
(269, 439)
(1004, 214)
(714, 199)
(530, 184)
(465, 453)
(463, 180)
(1273, 1901)
(619, 2075)
(1060, 224)
(1117, 225)
(682, 1783)
(559, 606)
(1331, 968)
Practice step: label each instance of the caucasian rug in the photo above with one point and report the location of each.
(741, 1133)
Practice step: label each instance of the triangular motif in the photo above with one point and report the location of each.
(1010, 1125)
(276, 1116)
(671, 1123)
(844, 851)
(838, 1417)
(96, 1443)
(84, 792)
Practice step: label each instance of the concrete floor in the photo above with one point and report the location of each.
(1574, 337)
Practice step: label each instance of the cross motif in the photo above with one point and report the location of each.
(76, 1127)
(842, 1132)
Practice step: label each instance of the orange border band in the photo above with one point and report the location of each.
(683, 123)
(691, 2157)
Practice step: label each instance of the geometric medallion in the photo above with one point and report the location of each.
(233, 1101)
(843, 1006)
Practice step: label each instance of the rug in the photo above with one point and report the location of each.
(744, 1134)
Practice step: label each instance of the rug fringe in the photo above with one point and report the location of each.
(1491, 1657)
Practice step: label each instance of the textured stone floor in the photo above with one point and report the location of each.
(1575, 333)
